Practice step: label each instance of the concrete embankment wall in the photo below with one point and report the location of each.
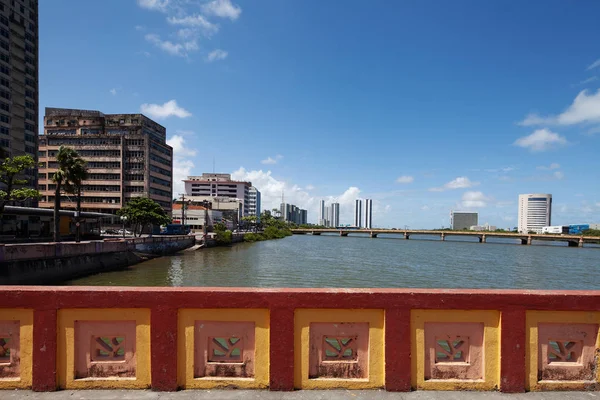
(48, 263)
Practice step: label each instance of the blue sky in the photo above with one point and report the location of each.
(424, 106)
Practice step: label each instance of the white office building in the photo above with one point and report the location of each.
(211, 185)
(254, 202)
(321, 220)
(358, 213)
(368, 213)
(535, 212)
(335, 215)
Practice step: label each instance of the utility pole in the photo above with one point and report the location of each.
(183, 209)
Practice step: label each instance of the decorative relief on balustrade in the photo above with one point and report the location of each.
(454, 350)
(339, 350)
(10, 362)
(224, 349)
(566, 352)
(105, 349)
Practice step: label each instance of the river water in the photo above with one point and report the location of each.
(384, 262)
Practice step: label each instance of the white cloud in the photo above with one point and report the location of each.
(168, 109)
(140, 28)
(271, 160)
(425, 208)
(405, 179)
(584, 109)
(541, 140)
(271, 189)
(182, 166)
(158, 5)
(559, 175)
(593, 65)
(310, 187)
(586, 81)
(550, 167)
(593, 131)
(223, 9)
(175, 49)
(503, 169)
(217, 55)
(474, 200)
(197, 21)
(113, 91)
(462, 182)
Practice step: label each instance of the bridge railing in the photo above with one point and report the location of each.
(285, 339)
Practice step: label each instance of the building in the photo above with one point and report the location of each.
(127, 156)
(368, 213)
(19, 78)
(292, 213)
(535, 212)
(335, 215)
(19, 108)
(463, 220)
(483, 228)
(358, 213)
(321, 220)
(198, 215)
(559, 229)
(254, 202)
(211, 185)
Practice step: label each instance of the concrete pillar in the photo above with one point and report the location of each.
(406, 236)
(342, 233)
(580, 242)
(372, 234)
(443, 236)
(529, 240)
(482, 239)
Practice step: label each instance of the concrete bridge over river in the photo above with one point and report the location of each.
(526, 239)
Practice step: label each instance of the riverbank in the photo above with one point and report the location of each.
(51, 263)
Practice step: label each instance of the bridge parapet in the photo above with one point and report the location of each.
(285, 339)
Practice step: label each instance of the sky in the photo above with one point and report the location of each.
(423, 106)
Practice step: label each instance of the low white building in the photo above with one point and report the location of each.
(558, 229)
(485, 227)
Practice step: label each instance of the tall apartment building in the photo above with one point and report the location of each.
(210, 185)
(19, 79)
(358, 213)
(254, 201)
(321, 220)
(535, 212)
(368, 213)
(127, 156)
(335, 215)
(463, 219)
(292, 213)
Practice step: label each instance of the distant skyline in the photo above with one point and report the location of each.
(424, 107)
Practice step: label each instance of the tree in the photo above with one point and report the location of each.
(10, 168)
(142, 211)
(79, 173)
(67, 174)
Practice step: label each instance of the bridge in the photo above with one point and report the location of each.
(526, 239)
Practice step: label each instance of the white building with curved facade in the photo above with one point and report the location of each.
(535, 212)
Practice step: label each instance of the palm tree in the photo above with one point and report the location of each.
(69, 172)
(78, 174)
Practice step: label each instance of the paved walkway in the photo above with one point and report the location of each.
(299, 395)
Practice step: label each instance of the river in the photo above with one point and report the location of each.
(384, 262)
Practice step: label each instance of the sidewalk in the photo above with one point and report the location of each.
(298, 395)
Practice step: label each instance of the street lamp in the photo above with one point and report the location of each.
(124, 219)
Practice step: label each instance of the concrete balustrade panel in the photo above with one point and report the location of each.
(455, 350)
(16, 341)
(563, 350)
(339, 349)
(104, 348)
(223, 348)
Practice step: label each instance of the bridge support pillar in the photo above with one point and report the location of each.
(406, 236)
(580, 242)
(529, 240)
(443, 236)
(482, 239)
(372, 235)
(342, 233)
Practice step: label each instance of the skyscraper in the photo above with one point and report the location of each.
(358, 213)
(335, 215)
(19, 79)
(368, 213)
(321, 220)
(535, 212)
(463, 219)
(254, 202)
